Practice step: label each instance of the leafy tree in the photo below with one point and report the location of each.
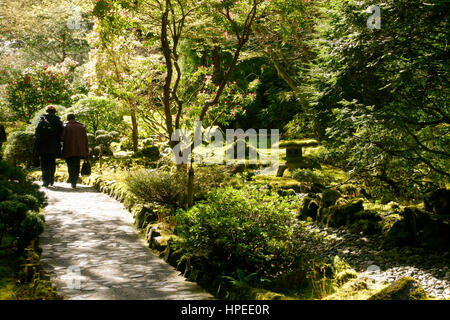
(99, 113)
(51, 32)
(383, 94)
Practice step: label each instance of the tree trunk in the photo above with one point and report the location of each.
(134, 129)
(165, 46)
(190, 191)
(216, 61)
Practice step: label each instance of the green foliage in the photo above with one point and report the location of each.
(99, 113)
(169, 187)
(382, 95)
(102, 141)
(207, 178)
(312, 176)
(151, 152)
(31, 226)
(161, 187)
(19, 148)
(306, 175)
(249, 229)
(35, 88)
(19, 202)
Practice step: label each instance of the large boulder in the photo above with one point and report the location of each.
(308, 208)
(420, 228)
(403, 289)
(352, 215)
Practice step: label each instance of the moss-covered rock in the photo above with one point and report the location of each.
(352, 215)
(365, 226)
(419, 228)
(286, 192)
(298, 143)
(308, 208)
(345, 275)
(144, 215)
(403, 289)
(438, 202)
(339, 215)
(329, 197)
(355, 289)
(350, 190)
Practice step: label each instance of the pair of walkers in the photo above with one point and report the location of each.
(49, 133)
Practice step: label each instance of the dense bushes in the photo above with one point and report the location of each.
(19, 148)
(249, 229)
(36, 87)
(19, 202)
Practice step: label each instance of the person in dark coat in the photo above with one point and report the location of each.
(75, 147)
(47, 144)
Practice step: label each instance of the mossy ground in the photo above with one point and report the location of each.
(9, 265)
(12, 287)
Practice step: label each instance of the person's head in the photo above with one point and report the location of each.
(50, 109)
(71, 116)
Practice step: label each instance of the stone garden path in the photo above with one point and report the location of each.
(92, 250)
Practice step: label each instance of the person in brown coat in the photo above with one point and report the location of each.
(75, 147)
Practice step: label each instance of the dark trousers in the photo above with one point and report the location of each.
(73, 166)
(48, 167)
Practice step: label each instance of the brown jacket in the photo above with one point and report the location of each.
(75, 140)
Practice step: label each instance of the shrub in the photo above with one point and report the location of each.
(167, 187)
(19, 201)
(102, 141)
(35, 88)
(161, 187)
(151, 152)
(209, 177)
(249, 229)
(19, 148)
(31, 226)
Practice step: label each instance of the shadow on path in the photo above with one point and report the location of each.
(92, 251)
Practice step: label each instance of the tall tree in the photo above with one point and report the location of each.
(383, 93)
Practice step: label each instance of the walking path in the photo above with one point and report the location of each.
(92, 250)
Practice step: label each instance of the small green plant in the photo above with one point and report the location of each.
(318, 280)
(241, 283)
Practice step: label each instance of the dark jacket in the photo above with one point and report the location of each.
(75, 140)
(48, 144)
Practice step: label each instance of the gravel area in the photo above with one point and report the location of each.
(370, 259)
